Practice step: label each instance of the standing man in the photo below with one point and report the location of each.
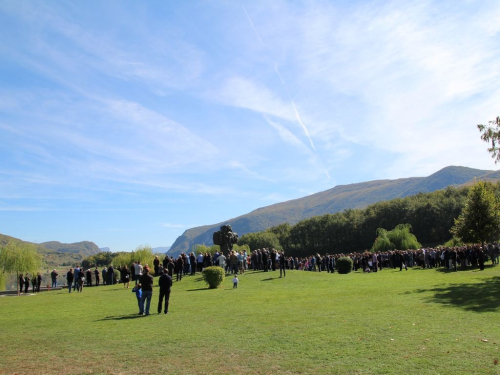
(165, 283)
(77, 271)
(192, 260)
(171, 267)
(179, 266)
(104, 274)
(199, 262)
(38, 281)
(222, 260)
(282, 263)
(26, 283)
(375, 262)
(53, 276)
(264, 260)
(21, 283)
(146, 281)
(138, 272)
(111, 275)
(96, 273)
(89, 277)
(69, 278)
(273, 259)
(156, 264)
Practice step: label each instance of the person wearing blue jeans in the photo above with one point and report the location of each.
(138, 294)
(146, 281)
(53, 276)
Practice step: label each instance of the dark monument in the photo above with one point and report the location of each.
(225, 238)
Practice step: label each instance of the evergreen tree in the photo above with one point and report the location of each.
(479, 220)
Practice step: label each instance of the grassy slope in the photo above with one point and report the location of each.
(414, 322)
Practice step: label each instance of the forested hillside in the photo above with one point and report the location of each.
(332, 201)
(431, 216)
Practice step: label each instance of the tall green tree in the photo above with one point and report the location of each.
(400, 238)
(260, 240)
(479, 220)
(491, 133)
(17, 257)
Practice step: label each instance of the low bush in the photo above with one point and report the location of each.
(213, 276)
(344, 265)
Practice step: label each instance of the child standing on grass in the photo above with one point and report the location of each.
(235, 282)
(138, 294)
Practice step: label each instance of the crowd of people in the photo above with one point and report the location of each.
(237, 262)
(25, 280)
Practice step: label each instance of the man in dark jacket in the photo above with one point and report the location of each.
(69, 278)
(53, 277)
(156, 264)
(179, 267)
(111, 275)
(146, 281)
(192, 260)
(21, 283)
(282, 264)
(264, 261)
(165, 283)
(96, 273)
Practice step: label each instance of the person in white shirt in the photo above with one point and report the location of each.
(138, 272)
(222, 260)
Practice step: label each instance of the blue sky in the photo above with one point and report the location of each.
(126, 123)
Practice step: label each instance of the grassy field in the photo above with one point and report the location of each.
(390, 322)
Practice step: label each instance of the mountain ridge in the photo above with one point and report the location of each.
(57, 253)
(336, 199)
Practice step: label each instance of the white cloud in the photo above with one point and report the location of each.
(244, 93)
(286, 135)
(82, 51)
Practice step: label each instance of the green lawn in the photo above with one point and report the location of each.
(390, 322)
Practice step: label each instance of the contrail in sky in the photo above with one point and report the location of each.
(251, 24)
(297, 116)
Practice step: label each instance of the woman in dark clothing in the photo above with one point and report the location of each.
(125, 276)
(33, 283)
(21, 283)
(26, 283)
(38, 282)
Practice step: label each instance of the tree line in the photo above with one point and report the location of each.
(429, 215)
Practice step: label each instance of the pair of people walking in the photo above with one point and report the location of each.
(144, 291)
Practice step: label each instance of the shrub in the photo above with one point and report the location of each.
(344, 265)
(213, 276)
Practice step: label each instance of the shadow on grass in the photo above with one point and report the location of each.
(121, 317)
(270, 278)
(469, 269)
(195, 290)
(477, 297)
